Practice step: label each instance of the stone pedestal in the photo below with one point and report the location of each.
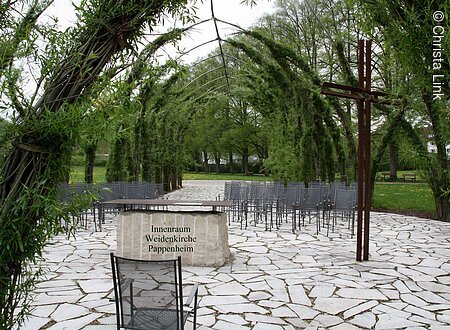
(200, 238)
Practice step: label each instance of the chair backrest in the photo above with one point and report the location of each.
(70, 193)
(236, 191)
(108, 191)
(299, 184)
(148, 292)
(137, 190)
(294, 196)
(312, 198)
(345, 199)
(156, 190)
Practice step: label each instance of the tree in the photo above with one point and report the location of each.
(44, 135)
(407, 28)
(306, 113)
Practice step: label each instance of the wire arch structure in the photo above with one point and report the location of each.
(218, 53)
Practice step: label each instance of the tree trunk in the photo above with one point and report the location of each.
(205, 162)
(174, 178)
(217, 159)
(438, 169)
(149, 173)
(180, 179)
(442, 207)
(245, 155)
(136, 173)
(40, 154)
(158, 174)
(167, 179)
(393, 160)
(230, 162)
(27, 167)
(89, 163)
(118, 162)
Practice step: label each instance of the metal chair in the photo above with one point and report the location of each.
(310, 205)
(293, 201)
(137, 190)
(344, 206)
(77, 197)
(149, 294)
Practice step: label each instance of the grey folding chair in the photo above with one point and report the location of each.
(149, 294)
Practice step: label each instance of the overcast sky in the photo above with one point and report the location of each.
(227, 10)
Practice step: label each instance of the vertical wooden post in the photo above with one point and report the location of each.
(364, 98)
(367, 183)
(360, 108)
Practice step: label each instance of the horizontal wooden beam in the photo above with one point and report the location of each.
(356, 93)
(345, 95)
(343, 87)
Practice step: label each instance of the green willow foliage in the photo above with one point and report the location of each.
(407, 31)
(45, 132)
(304, 114)
(125, 161)
(162, 133)
(22, 241)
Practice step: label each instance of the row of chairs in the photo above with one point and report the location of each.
(274, 203)
(93, 196)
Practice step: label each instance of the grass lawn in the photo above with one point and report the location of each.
(403, 196)
(77, 174)
(419, 177)
(395, 196)
(224, 176)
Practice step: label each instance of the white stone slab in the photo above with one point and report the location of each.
(35, 323)
(241, 308)
(96, 286)
(361, 294)
(77, 323)
(206, 320)
(235, 319)
(304, 312)
(100, 327)
(283, 312)
(222, 300)
(266, 326)
(322, 291)
(43, 311)
(365, 320)
(359, 309)
(68, 311)
(328, 320)
(222, 325)
(200, 238)
(298, 295)
(259, 295)
(389, 322)
(335, 306)
(231, 287)
(264, 318)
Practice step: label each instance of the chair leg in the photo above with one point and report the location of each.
(195, 313)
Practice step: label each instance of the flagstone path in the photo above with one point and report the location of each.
(275, 280)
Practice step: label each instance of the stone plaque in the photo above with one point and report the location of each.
(200, 238)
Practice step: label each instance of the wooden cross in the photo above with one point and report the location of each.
(364, 97)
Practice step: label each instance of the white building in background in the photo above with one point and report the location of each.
(433, 149)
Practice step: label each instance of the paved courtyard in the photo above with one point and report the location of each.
(275, 280)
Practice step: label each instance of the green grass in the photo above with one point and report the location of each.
(419, 177)
(403, 196)
(77, 174)
(224, 176)
(388, 195)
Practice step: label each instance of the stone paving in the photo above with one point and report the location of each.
(275, 280)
